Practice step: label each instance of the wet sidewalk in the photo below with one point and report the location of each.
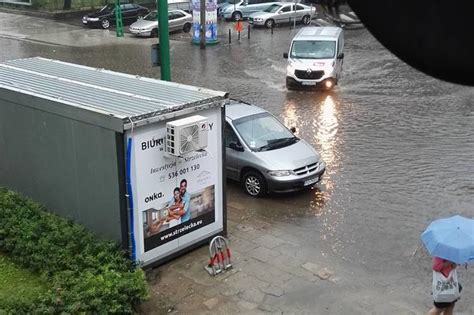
(277, 270)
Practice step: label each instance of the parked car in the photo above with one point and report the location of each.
(239, 9)
(148, 26)
(279, 13)
(264, 155)
(106, 16)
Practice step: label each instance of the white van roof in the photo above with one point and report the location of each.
(318, 33)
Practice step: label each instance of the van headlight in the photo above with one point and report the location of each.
(280, 173)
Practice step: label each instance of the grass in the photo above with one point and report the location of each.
(18, 286)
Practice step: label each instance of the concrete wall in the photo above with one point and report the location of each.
(69, 166)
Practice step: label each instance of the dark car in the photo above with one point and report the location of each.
(106, 16)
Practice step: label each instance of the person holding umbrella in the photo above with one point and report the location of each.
(445, 267)
(451, 242)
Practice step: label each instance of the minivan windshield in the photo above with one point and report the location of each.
(263, 132)
(273, 8)
(313, 49)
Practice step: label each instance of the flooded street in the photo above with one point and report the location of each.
(399, 145)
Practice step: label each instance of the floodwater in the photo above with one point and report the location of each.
(399, 145)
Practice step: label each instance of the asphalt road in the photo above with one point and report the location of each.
(399, 145)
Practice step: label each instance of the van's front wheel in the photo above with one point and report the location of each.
(289, 84)
(254, 184)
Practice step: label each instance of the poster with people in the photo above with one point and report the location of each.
(211, 21)
(177, 200)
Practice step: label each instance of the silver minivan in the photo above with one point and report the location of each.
(264, 155)
(315, 57)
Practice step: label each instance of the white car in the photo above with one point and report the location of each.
(240, 9)
(148, 26)
(279, 13)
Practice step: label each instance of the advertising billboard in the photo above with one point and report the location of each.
(177, 201)
(211, 21)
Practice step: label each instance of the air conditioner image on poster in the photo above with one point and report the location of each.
(186, 135)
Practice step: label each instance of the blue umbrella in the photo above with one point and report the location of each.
(451, 238)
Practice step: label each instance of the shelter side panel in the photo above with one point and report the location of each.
(65, 164)
(178, 201)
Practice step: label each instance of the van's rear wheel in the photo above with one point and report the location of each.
(306, 20)
(254, 184)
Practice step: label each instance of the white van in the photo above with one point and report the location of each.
(315, 57)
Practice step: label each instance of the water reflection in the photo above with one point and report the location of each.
(317, 116)
(325, 130)
(290, 115)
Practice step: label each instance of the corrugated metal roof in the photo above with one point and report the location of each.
(106, 92)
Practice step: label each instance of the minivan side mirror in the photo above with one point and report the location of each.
(285, 55)
(235, 146)
(340, 56)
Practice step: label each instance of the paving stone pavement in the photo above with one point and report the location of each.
(272, 274)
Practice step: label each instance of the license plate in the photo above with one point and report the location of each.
(308, 83)
(311, 181)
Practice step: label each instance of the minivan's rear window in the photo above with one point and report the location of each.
(313, 49)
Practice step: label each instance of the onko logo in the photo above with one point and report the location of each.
(153, 197)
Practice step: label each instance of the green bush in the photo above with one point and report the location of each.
(86, 275)
(19, 287)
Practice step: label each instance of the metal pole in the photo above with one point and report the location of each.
(294, 7)
(202, 33)
(248, 32)
(230, 37)
(162, 7)
(118, 19)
